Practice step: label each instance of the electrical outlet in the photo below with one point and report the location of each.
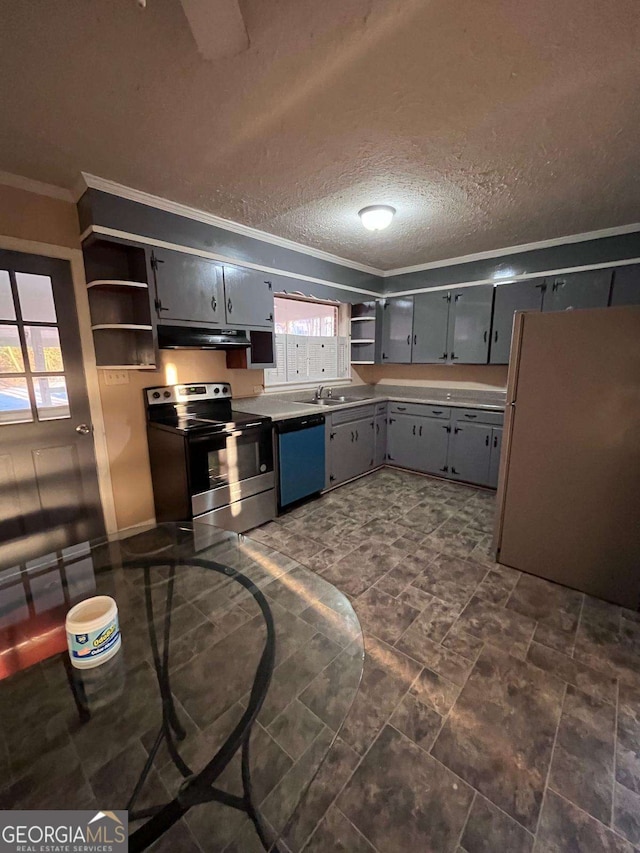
(116, 377)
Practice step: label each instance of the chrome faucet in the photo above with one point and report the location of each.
(318, 392)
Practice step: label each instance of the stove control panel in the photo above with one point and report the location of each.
(188, 393)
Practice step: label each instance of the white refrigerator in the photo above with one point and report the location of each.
(569, 487)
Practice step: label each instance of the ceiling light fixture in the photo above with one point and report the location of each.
(377, 216)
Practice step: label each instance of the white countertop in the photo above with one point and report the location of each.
(287, 405)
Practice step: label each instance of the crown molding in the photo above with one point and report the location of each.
(19, 182)
(107, 186)
(514, 250)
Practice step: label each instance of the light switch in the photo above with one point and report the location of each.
(116, 377)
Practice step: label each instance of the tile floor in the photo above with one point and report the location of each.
(497, 711)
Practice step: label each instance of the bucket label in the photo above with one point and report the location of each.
(94, 643)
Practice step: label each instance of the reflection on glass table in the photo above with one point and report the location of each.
(236, 671)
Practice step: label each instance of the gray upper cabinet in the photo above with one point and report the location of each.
(397, 330)
(470, 452)
(430, 323)
(248, 297)
(588, 289)
(626, 285)
(188, 289)
(509, 298)
(469, 324)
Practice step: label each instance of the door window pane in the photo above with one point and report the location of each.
(43, 346)
(52, 400)
(14, 400)
(36, 298)
(11, 360)
(7, 309)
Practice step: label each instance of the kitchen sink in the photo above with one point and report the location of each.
(333, 401)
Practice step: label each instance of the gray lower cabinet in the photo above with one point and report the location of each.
(470, 323)
(351, 450)
(625, 289)
(430, 324)
(494, 458)
(397, 330)
(588, 289)
(418, 443)
(248, 297)
(402, 440)
(470, 452)
(432, 447)
(509, 298)
(380, 440)
(188, 289)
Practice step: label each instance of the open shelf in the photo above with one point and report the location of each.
(134, 327)
(125, 347)
(362, 362)
(362, 319)
(117, 285)
(363, 340)
(126, 367)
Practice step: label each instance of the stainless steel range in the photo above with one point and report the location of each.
(209, 463)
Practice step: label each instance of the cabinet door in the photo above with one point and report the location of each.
(188, 289)
(470, 452)
(430, 319)
(351, 447)
(494, 460)
(397, 329)
(364, 446)
(248, 297)
(509, 298)
(577, 290)
(380, 440)
(626, 286)
(469, 324)
(402, 440)
(432, 446)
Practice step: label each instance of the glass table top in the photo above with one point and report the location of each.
(236, 670)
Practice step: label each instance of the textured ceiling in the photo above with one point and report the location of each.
(486, 123)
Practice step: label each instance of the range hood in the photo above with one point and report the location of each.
(185, 337)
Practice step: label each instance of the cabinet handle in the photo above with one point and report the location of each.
(401, 408)
(486, 441)
(454, 357)
(414, 429)
(453, 470)
(356, 435)
(408, 340)
(484, 337)
(229, 305)
(420, 430)
(351, 435)
(495, 336)
(457, 430)
(384, 355)
(436, 411)
(269, 319)
(471, 416)
(377, 429)
(331, 478)
(443, 357)
(446, 468)
(495, 440)
(415, 340)
(214, 304)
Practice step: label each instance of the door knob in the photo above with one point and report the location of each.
(84, 429)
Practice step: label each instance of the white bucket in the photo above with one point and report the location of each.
(93, 631)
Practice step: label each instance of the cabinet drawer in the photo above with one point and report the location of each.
(381, 408)
(421, 409)
(478, 416)
(345, 416)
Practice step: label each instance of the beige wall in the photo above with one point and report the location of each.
(457, 375)
(124, 415)
(29, 216)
